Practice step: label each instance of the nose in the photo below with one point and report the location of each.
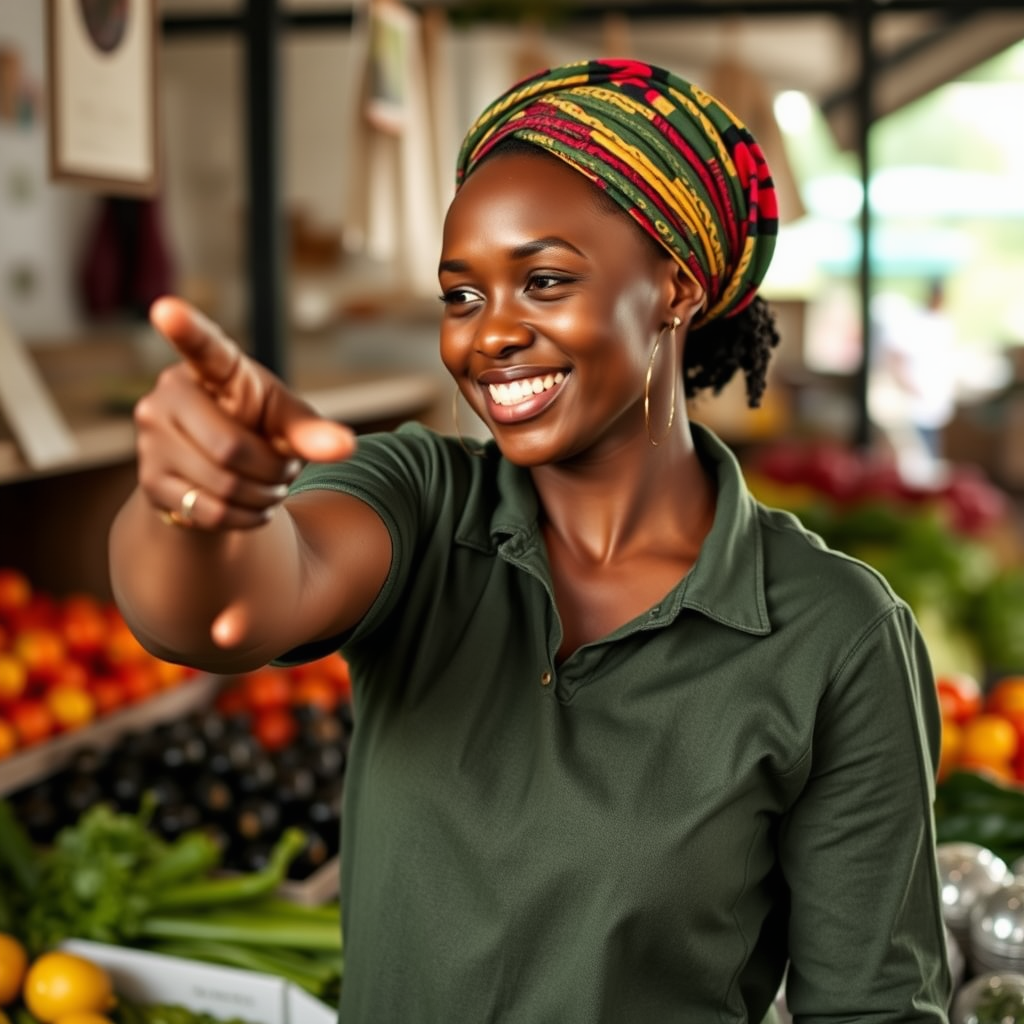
(502, 330)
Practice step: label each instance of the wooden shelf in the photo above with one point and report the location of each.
(94, 381)
(37, 763)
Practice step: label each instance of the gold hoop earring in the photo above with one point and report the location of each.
(458, 430)
(647, 385)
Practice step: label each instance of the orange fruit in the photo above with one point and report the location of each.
(71, 706)
(13, 965)
(42, 650)
(951, 745)
(988, 739)
(13, 677)
(1006, 695)
(58, 984)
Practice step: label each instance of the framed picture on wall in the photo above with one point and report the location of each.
(102, 102)
(392, 34)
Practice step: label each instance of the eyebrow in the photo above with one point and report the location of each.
(520, 252)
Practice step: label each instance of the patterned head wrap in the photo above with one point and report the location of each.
(681, 164)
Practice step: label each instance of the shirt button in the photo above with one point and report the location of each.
(545, 679)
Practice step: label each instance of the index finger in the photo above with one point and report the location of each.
(200, 341)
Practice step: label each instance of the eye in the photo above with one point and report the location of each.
(459, 296)
(540, 282)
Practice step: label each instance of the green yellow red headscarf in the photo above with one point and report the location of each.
(678, 161)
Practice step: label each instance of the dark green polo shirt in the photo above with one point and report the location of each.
(646, 833)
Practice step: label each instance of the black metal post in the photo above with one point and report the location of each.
(865, 116)
(267, 234)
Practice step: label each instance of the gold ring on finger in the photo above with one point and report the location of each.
(187, 506)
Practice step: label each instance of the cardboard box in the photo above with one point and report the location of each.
(224, 992)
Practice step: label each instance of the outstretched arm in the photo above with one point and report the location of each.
(210, 563)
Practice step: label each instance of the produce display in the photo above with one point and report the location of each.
(982, 731)
(110, 878)
(949, 549)
(65, 662)
(176, 838)
(59, 987)
(268, 755)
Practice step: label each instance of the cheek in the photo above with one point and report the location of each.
(452, 348)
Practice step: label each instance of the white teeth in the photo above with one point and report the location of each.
(517, 390)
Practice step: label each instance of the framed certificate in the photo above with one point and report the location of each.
(102, 57)
(392, 35)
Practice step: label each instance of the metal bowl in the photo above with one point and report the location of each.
(993, 998)
(967, 873)
(997, 928)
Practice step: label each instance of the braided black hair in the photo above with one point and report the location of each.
(716, 350)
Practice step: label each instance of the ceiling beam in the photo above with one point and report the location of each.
(341, 17)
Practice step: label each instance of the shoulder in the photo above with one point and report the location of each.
(801, 570)
(411, 456)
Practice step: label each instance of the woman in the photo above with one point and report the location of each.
(628, 743)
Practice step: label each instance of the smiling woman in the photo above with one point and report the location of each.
(625, 737)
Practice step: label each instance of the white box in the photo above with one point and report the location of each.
(225, 992)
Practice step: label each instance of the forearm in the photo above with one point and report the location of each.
(176, 586)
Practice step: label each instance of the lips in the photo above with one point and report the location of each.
(522, 397)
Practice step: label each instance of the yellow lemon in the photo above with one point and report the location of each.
(13, 963)
(58, 984)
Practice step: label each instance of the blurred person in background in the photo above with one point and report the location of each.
(914, 379)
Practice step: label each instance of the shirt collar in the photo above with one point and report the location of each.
(726, 582)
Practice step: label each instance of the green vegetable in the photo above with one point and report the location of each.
(111, 879)
(165, 1013)
(315, 975)
(198, 892)
(972, 808)
(244, 929)
(17, 854)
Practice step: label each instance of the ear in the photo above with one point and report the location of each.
(687, 297)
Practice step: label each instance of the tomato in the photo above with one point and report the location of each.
(336, 668)
(231, 701)
(122, 646)
(71, 706)
(138, 679)
(267, 688)
(959, 696)
(169, 674)
(315, 690)
(8, 739)
(83, 625)
(32, 721)
(15, 590)
(109, 694)
(39, 613)
(71, 673)
(275, 728)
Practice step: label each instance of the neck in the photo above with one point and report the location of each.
(640, 499)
